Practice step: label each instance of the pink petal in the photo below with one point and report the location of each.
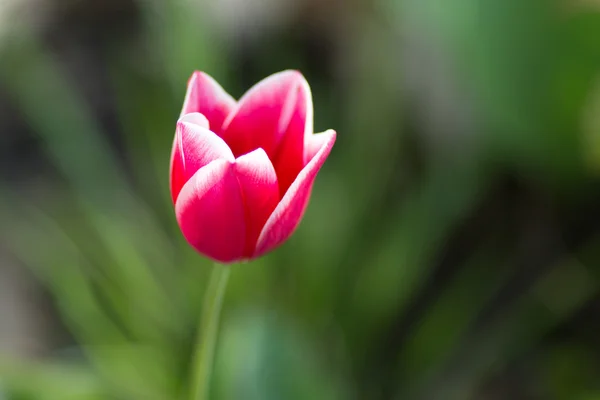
(193, 148)
(204, 95)
(210, 212)
(287, 215)
(315, 143)
(260, 191)
(273, 115)
(289, 159)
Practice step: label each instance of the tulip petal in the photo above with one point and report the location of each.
(194, 147)
(204, 95)
(288, 213)
(275, 114)
(210, 212)
(260, 191)
(289, 159)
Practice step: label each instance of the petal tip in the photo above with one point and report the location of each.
(320, 143)
(294, 73)
(293, 76)
(199, 75)
(297, 77)
(194, 118)
(192, 77)
(329, 132)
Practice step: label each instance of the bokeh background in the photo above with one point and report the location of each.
(451, 249)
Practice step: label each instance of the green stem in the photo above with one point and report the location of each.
(207, 332)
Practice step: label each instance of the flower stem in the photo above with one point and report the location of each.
(207, 332)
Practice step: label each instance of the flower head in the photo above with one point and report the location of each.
(242, 172)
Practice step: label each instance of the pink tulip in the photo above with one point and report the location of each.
(242, 172)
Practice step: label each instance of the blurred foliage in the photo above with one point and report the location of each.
(436, 261)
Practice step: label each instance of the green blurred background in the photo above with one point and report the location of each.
(451, 249)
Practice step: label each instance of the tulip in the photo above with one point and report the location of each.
(242, 172)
